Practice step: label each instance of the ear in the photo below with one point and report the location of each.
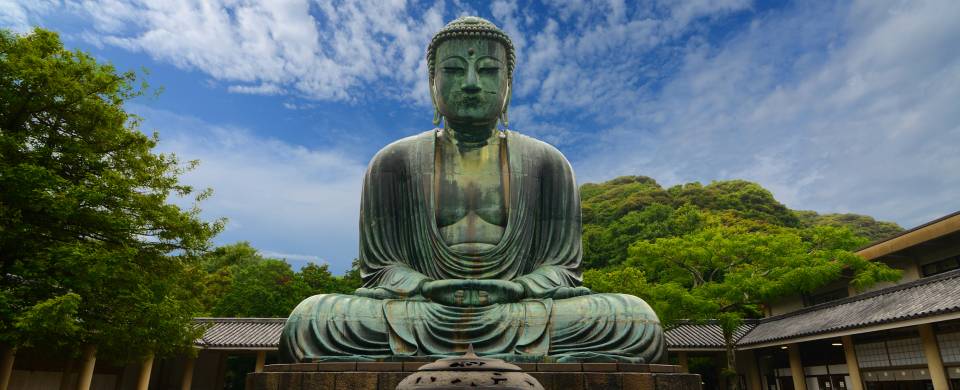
(437, 117)
(506, 105)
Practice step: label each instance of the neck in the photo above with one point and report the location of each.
(471, 135)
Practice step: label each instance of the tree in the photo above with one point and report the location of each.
(321, 281)
(861, 225)
(621, 211)
(239, 281)
(729, 267)
(91, 252)
(267, 288)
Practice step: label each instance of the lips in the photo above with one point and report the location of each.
(464, 100)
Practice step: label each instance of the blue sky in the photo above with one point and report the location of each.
(848, 106)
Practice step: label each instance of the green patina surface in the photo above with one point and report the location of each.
(470, 235)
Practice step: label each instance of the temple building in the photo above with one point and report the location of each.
(903, 335)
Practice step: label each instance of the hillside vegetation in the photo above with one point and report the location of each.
(619, 212)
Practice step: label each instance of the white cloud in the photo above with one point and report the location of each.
(848, 108)
(262, 89)
(333, 53)
(17, 16)
(289, 201)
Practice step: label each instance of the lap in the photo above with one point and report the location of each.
(339, 324)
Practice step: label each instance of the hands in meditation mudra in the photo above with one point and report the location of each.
(471, 235)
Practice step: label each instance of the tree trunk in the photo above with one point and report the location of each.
(733, 380)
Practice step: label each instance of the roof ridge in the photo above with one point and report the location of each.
(239, 319)
(908, 231)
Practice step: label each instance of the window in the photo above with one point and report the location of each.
(832, 295)
(906, 352)
(939, 267)
(872, 355)
(950, 347)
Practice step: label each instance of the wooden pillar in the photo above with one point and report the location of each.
(6, 366)
(87, 363)
(931, 350)
(753, 370)
(221, 369)
(143, 381)
(187, 380)
(261, 361)
(853, 365)
(796, 367)
(682, 361)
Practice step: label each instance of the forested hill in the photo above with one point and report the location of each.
(621, 211)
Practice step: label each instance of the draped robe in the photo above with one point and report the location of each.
(401, 248)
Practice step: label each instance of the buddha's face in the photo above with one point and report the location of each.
(471, 80)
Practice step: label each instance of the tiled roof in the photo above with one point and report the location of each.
(705, 335)
(921, 298)
(240, 333)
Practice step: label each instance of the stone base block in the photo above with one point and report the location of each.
(553, 376)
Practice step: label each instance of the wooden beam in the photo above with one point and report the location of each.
(87, 364)
(682, 360)
(938, 228)
(187, 380)
(931, 350)
(261, 361)
(853, 365)
(6, 365)
(143, 381)
(753, 370)
(796, 368)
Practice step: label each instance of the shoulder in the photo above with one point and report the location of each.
(400, 151)
(538, 150)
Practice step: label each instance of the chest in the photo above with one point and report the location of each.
(470, 184)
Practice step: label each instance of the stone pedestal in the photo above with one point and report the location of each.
(553, 376)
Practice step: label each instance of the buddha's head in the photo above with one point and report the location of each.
(471, 69)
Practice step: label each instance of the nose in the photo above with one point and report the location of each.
(471, 83)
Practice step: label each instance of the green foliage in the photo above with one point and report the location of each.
(861, 225)
(320, 281)
(719, 251)
(52, 321)
(85, 228)
(621, 211)
(267, 288)
(239, 282)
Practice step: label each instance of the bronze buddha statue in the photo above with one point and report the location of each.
(471, 235)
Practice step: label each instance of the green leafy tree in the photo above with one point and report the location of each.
(861, 225)
(89, 245)
(621, 211)
(730, 267)
(321, 281)
(267, 288)
(239, 281)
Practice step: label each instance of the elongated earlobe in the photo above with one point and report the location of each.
(503, 109)
(437, 116)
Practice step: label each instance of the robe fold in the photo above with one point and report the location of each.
(401, 248)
